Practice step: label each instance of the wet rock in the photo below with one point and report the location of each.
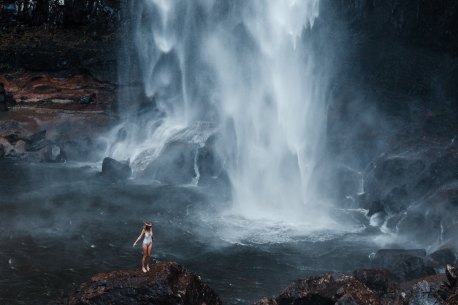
(175, 164)
(404, 264)
(266, 301)
(52, 153)
(328, 289)
(187, 158)
(20, 147)
(346, 300)
(115, 170)
(36, 141)
(85, 100)
(379, 280)
(425, 291)
(442, 257)
(452, 276)
(8, 149)
(166, 283)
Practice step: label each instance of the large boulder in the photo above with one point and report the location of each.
(167, 283)
(329, 289)
(116, 170)
(379, 280)
(404, 264)
(442, 257)
(369, 286)
(175, 164)
(427, 291)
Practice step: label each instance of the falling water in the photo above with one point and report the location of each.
(249, 70)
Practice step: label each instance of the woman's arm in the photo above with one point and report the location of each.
(139, 237)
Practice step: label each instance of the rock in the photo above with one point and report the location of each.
(327, 290)
(8, 149)
(379, 280)
(2, 151)
(442, 257)
(266, 301)
(346, 300)
(452, 276)
(20, 147)
(115, 170)
(36, 141)
(12, 138)
(425, 292)
(175, 164)
(404, 264)
(166, 283)
(85, 100)
(52, 153)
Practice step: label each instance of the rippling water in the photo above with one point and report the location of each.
(59, 224)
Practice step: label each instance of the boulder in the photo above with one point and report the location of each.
(8, 149)
(86, 99)
(20, 147)
(175, 164)
(115, 170)
(379, 280)
(442, 257)
(426, 291)
(36, 141)
(328, 290)
(52, 153)
(404, 264)
(167, 283)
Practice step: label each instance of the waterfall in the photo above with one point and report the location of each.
(250, 69)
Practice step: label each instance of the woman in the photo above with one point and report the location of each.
(147, 245)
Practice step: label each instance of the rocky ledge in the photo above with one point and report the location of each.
(166, 283)
(369, 287)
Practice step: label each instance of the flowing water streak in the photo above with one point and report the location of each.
(273, 96)
(250, 67)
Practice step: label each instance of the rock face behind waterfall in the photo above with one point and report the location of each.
(166, 283)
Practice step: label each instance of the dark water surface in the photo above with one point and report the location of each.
(61, 223)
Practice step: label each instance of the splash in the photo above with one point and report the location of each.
(249, 69)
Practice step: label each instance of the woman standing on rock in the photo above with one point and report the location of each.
(147, 245)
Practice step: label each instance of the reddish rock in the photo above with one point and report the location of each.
(379, 280)
(54, 91)
(327, 290)
(166, 283)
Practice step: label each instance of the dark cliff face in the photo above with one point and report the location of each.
(55, 36)
(427, 23)
(396, 74)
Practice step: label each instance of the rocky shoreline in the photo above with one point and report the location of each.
(169, 283)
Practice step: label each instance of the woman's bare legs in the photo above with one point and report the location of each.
(145, 255)
(148, 253)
